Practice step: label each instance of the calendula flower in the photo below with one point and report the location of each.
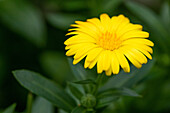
(109, 43)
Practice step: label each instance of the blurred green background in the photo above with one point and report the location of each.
(32, 33)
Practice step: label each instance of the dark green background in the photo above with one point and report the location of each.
(32, 33)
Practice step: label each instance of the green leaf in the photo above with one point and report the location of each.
(41, 105)
(45, 88)
(117, 81)
(79, 109)
(87, 81)
(56, 66)
(128, 79)
(23, 18)
(109, 96)
(152, 20)
(118, 92)
(165, 14)
(10, 109)
(141, 74)
(80, 72)
(62, 21)
(61, 111)
(102, 102)
(75, 90)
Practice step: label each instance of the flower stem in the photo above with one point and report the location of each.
(98, 83)
(29, 102)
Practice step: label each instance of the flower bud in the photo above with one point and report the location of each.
(88, 101)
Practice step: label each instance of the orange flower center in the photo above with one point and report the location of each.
(109, 41)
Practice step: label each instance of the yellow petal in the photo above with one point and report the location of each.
(67, 47)
(131, 58)
(84, 49)
(122, 60)
(138, 41)
(123, 22)
(79, 39)
(138, 46)
(105, 20)
(93, 54)
(97, 23)
(93, 63)
(106, 59)
(109, 71)
(75, 61)
(71, 52)
(73, 29)
(100, 63)
(75, 48)
(73, 33)
(137, 54)
(127, 28)
(86, 64)
(74, 25)
(88, 28)
(91, 58)
(114, 63)
(134, 34)
(116, 21)
(145, 53)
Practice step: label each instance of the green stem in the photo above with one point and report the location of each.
(98, 83)
(29, 102)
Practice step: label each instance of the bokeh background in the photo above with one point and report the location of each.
(32, 33)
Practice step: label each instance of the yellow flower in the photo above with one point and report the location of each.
(109, 42)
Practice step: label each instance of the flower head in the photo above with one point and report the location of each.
(109, 43)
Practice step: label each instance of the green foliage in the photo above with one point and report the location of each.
(25, 19)
(41, 105)
(153, 22)
(73, 5)
(88, 101)
(79, 110)
(165, 10)
(45, 88)
(75, 90)
(63, 21)
(79, 72)
(56, 95)
(87, 81)
(56, 66)
(107, 97)
(128, 79)
(10, 109)
(82, 74)
(29, 102)
(110, 5)
(118, 92)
